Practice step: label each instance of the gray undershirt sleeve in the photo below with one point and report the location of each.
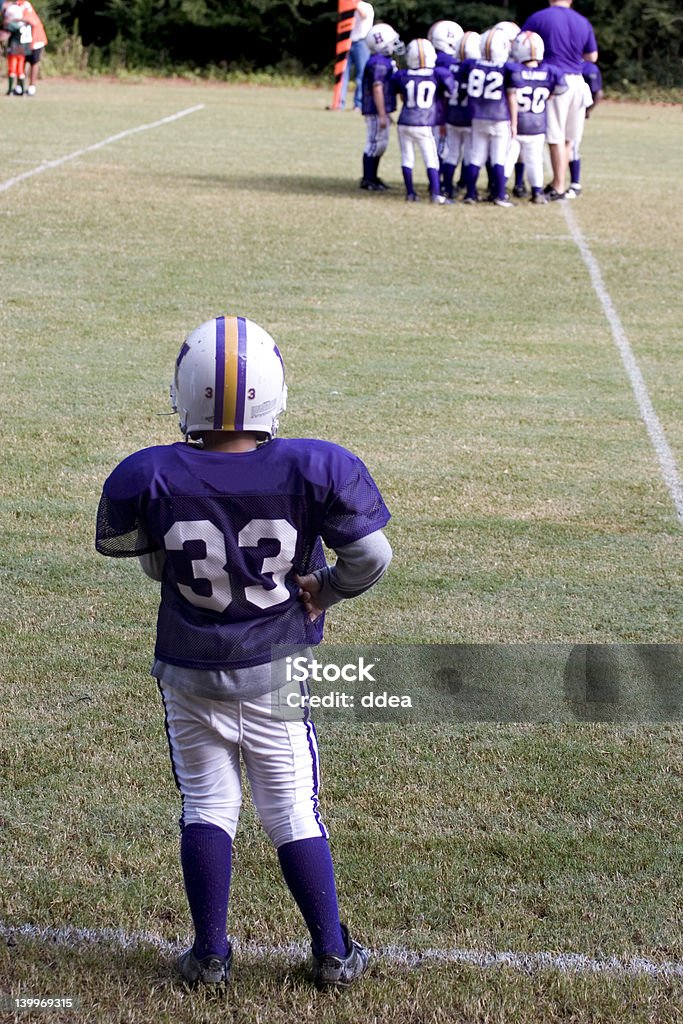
(358, 567)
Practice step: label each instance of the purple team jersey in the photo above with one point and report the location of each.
(420, 89)
(235, 527)
(378, 69)
(458, 109)
(567, 36)
(591, 72)
(487, 84)
(534, 86)
(443, 60)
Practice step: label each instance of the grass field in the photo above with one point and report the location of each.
(464, 354)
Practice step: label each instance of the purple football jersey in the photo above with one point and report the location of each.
(378, 69)
(443, 60)
(591, 72)
(487, 83)
(567, 35)
(458, 109)
(419, 89)
(235, 527)
(534, 86)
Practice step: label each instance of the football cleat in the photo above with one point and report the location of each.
(340, 972)
(445, 36)
(519, 191)
(420, 54)
(539, 198)
(440, 200)
(553, 195)
(211, 970)
(503, 202)
(573, 192)
(381, 186)
(368, 185)
(382, 38)
(412, 197)
(229, 375)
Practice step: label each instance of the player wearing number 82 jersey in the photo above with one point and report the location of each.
(231, 524)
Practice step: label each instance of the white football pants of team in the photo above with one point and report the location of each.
(412, 137)
(528, 149)
(208, 738)
(490, 140)
(376, 138)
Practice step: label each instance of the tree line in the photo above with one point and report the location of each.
(640, 41)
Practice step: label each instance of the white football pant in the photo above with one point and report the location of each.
(421, 136)
(490, 139)
(206, 738)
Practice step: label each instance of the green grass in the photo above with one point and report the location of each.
(464, 355)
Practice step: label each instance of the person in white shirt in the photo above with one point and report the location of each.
(359, 53)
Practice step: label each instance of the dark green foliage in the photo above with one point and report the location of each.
(639, 40)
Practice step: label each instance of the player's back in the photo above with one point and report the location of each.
(486, 84)
(234, 526)
(378, 69)
(420, 88)
(534, 86)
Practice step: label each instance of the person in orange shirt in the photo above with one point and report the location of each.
(18, 36)
(38, 41)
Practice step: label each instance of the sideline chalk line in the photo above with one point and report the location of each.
(48, 165)
(667, 462)
(529, 963)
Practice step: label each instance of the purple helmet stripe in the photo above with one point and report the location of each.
(219, 390)
(240, 397)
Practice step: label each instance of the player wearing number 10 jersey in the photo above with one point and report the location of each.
(231, 524)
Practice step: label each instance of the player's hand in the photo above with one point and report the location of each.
(309, 587)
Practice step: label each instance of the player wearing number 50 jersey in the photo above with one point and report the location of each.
(231, 524)
(532, 83)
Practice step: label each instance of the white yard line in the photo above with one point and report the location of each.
(667, 462)
(529, 963)
(49, 165)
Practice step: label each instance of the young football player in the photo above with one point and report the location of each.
(487, 90)
(379, 101)
(420, 84)
(230, 521)
(458, 118)
(593, 78)
(532, 82)
(444, 37)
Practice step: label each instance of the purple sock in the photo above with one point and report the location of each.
(408, 179)
(519, 175)
(575, 171)
(471, 175)
(434, 186)
(367, 167)
(448, 172)
(205, 855)
(307, 868)
(499, 180)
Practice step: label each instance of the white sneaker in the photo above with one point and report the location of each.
(573, 192)
(31, 91)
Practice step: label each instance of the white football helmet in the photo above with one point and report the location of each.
(445, 36)
(384, 39)
(510, 28)
(420, 54)
(229, 375)
(527, 46)
(469, 47)
(495, 45)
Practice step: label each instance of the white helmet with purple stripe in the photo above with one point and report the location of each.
(229, 375)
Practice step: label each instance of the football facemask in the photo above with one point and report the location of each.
(384, 39)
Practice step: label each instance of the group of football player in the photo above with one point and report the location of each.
(469, 101)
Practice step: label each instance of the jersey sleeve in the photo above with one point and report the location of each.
(355, 508)
(121, 531)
